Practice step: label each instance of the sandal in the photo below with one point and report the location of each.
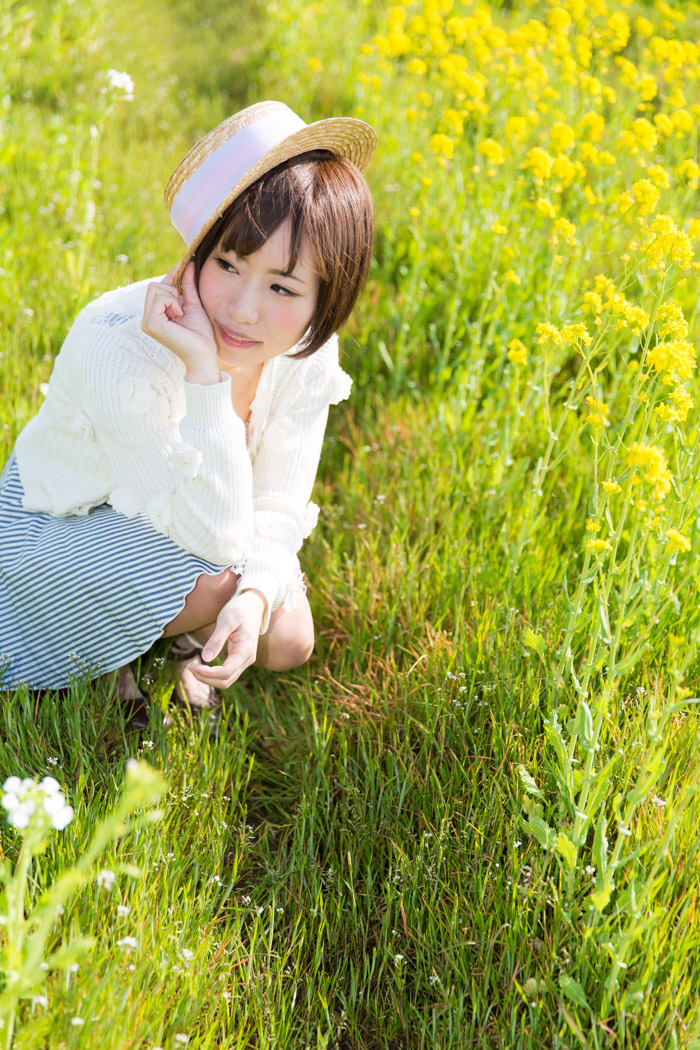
(199, 700)
(135, 702)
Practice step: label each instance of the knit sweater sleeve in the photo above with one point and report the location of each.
(283, 476)
(190, 474)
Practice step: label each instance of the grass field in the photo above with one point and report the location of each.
(471, 819)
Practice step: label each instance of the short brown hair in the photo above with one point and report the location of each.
(328, 202)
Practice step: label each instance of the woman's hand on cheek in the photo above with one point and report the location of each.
(182, 325)
(237, 628)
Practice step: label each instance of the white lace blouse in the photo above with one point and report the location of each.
(121, 425)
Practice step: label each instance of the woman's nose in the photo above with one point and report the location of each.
(243, 305)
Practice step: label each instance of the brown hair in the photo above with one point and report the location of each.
(328, 202)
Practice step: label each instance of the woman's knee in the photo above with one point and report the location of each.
(289, 640)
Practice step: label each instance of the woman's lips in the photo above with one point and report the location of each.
(234, 339)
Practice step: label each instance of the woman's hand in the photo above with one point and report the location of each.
(237, 627)
(182, 326)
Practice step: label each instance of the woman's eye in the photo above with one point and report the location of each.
(285, 292)
(227, 266)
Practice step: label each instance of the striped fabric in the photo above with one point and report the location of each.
(82, 595)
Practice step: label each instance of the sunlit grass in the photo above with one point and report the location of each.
(349, 863)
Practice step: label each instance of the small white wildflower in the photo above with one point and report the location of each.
(76, 1021)
(74, 967)
(39, 1000)
(517, 843)
(105, 879)
(120, 82)
(123, 910)
(121, 258)
(51, 761)
(398, 959)
(659, 801)
(181, 1038)
(187, 954)
(127, 942)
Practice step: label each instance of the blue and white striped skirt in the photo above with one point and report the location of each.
(84, 594)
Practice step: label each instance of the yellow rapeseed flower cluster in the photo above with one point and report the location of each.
(652, 459)
(605, 298)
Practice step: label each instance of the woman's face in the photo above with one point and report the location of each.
(256, 310)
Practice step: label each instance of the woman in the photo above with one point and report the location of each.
(164, 485)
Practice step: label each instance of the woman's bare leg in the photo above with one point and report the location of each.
(204, 603)
(288, 641)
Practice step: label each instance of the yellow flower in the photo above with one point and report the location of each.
(540, 163)
(646, 195)
(443, 145)
(593, 125)
(677, 356)
(598, 417)
(647, 87)
(689, 170)
(643, 27)
(492, 150)
(677, 541)
(548, 333)
(664, 124)
(512, 278)
(454, 121)
(618, 30)
(314, 64)
(516, 128)
(682, 121)
(417, 67)
(414, 212)
(545, 207)
(670, 319)
(598, 546)
(678, 412)
(665, 242)
(641, 137)
(561, 137)
(654, 459)
(563, 230)
(498, 228)
(659, 176)
(612, 487)
(592, 526)
(576, 333)
(517, 352)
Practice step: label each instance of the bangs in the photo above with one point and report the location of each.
(270, 202)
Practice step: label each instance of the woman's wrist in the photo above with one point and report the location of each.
(261, 597)
(203, 373)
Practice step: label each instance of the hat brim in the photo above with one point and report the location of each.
(345, 136)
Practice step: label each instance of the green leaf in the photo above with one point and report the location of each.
(600, 846)
(534, 641)
(585, 725)
(32, 1034)
(541, 830)
(573, 990)
(65, 957)
(565, 847)
(528, 783)
(601, 898)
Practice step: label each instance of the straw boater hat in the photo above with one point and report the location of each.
(241, 149)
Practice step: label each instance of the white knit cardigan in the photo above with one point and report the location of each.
(121, 425)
